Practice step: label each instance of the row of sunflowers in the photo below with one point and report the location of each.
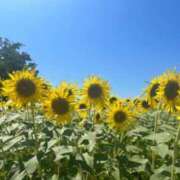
(86, 133)
(66, 101)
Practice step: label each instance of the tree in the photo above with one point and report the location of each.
(12, 58)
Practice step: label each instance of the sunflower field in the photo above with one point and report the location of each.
(87, 133)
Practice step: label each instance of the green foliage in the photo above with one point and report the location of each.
(93, 152)
(12, 58)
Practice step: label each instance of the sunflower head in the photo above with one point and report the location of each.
(97, 118)
(143, 106)
(23, 87)
(96, 91)
(120, 118)
(128, 103)
(136, 101)
(128, 100)
(82, 109)
(169, 91)
(152, 91)
(70, 90)
(112, 100)
(58, 107)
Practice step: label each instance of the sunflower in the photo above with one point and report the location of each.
(112, 100)
(152, 90)
(143, 106)
(96, 92)
(71, 90)
(58, 107)
(46, 86)
(128, 103)
(120, 117)
(169, 91)
(123, 102)
(99, 116)
(82, 109)
(136, 101)
(23, 87)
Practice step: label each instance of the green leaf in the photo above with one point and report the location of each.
(31, 165)
(13, 117)
(61, 151)
(138, 159)
(133, 149)
(89, 160)
(52, 143)
(15, 127)
(89, 137)
(116, 173)
(159, 177)
(66, 131)
(1, 164)
(163, 137)
(162, 150)
(140, 168)
(162, 169)
(2, 119)
(55, 177)
(5, 138)
(18, 175)
(77, 177)
(12, 142)
(140, 129)
(177, 170)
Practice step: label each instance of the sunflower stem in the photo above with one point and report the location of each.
(174, 156)
(154, 139)
(117, 153)
(59, 144)
(36, 136)
(35, 129)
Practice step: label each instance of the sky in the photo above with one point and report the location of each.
(127, 42)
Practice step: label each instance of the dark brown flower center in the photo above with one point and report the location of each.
(82, 106)
(112, 100)
(98, 117)
(25, 87)
(120, 116)
(70, 92)
(171, 90)
(95, 91)
(145, 105)
(60, 106)
(154, 89)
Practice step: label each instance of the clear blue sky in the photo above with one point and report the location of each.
(125, 41)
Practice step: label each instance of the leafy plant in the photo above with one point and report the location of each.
(87, 152)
